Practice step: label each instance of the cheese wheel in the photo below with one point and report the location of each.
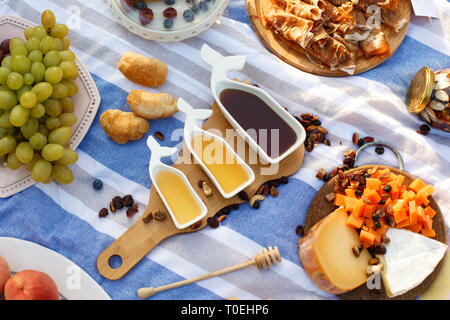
(327, 256)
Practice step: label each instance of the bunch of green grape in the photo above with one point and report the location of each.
(36, 107)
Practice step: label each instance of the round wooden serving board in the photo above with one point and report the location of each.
(140, 238)
(320, 207)
(293, 54)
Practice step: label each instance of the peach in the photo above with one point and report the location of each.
(5, 273)
(31, 285)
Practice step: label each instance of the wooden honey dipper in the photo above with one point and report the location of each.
(265, 258)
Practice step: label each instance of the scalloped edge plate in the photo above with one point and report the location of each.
(87, 102)
(73, 282)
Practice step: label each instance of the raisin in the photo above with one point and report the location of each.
(128, 201)
(103, 213)
(368, 139)
(212, 222)
(424, 129)
(160, 216)
(387, 188)
(379, 149)
(355, 138)
(361, 142)
(299, 230)
(235, 206)
(132, 210)
(243, 196)
(284, 180)
(196, 225)
(159, 135)
(148, 218)
(226, 210)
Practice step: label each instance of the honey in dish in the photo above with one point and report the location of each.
(178, 196)
(252, 113)
(222, 164)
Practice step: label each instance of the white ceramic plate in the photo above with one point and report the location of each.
(73, 283)
(86, 101)
(131, 21)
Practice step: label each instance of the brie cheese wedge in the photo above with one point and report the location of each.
(410, 258)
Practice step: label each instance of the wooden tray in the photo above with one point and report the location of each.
(320, 208)
(137, 241)
(293, 54)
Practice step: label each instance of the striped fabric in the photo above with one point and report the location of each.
(65, 218)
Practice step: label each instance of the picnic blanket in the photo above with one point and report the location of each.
(65, 218)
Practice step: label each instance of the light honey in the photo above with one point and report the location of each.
(178, 196)
(222, 164)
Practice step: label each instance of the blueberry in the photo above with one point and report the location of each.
(141, 5)
(203, 5)
(195, 8)
(188, 15)
(97, 184)
(170, 2)
(168, 23)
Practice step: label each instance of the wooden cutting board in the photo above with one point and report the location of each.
(320, 207)
(293, 54)
(141, 238)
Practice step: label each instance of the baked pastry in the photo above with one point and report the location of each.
(152, 105)
(123, 126)
(146, 71)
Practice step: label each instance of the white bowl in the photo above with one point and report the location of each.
(133, 25)
(86, 101)
(219, 81)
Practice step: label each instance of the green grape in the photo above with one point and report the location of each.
(28, 100)
(14, 81)
(54, 75)
(52, 123)
(38, 111)
(67, 104)
(60, 136)
(73, 88)
(43, 91)
(35, 56)
(4, 73)
(39, 32)
(7, 145)
(62, 174)
(69, 69)
(33, 44)
(24, 152)
(19, 50)
(29, 128)
(48, 19)
(53, 107)
(38, 141)
(22, 90)
(4, 120)
(58, 44)
(59, 31)
(67, 55)
(52, 152)
(8, 100)
(69, 158)
(19, 116)
(60, 91)
(6, 131)
(14, 42)
(67, 119)
(66, 43)
(42, 170)
(47, 44)
(7, 62)
(52, 59)
(38, 71)
(28, 79)
(21, 64)
(13, 162)
(29, 165)
(28, 33)
(43, 130)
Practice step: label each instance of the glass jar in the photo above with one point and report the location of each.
(428, 96)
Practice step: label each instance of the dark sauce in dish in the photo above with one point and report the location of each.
(251, 112)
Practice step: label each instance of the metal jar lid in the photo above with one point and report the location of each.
(420, 90)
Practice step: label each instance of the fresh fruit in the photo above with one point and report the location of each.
(145, 16)
(5, 274)
(31, 285)
(170, 13)
(168, 23)
(97, 184)
(188, 15)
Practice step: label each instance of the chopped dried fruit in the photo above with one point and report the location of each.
(103, 213)
(159, 135)
(321, 173)
(160, 216)
(132, 210)
(222, 217)
(274, 192)
(148, 218)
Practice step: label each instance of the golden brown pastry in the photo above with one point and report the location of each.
(123, 126)
(152, 105)
(146, 71)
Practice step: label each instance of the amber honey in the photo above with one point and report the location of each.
(178, 196)
(222, 163)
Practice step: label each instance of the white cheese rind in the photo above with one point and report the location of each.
(410, 258)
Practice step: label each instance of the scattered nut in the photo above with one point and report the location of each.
(206, 189)
(374, 261)
(330, 197)
(200, 183)
(255, 199)
(385, 240)
(260, 189)
(160, 216)
(148, 218)
(356, 251)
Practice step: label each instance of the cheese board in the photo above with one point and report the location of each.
(293, 54)
(320, 208)
(142, 237)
